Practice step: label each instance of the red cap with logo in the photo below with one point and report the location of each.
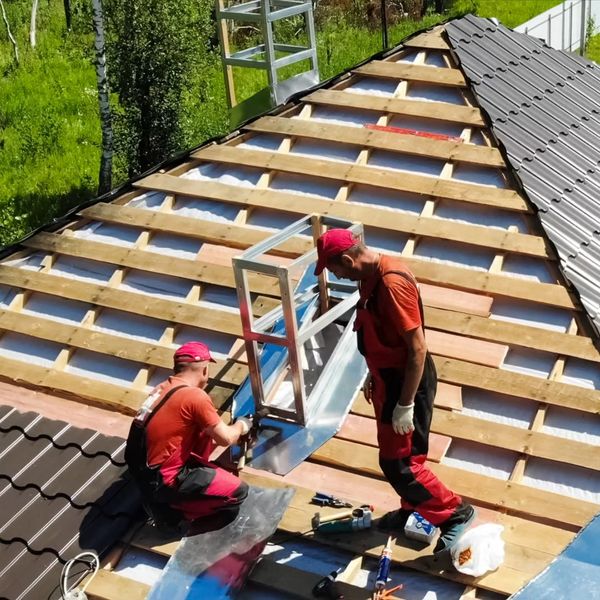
(332, 243)
(193, 352)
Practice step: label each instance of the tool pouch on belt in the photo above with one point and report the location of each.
(194, 478)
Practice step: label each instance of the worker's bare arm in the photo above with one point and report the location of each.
(415, 362)
(226, 435)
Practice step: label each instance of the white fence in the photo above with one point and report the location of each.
(564, 26)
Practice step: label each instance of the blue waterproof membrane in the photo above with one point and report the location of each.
(572, 575)
(214, 564)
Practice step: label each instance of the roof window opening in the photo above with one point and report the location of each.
(582, 373)
(154, 284)
(479, 175)
(56, 308)
(174, 245)
(327, 150)
(525, 267)
(384, 198)
(305, 186)
(454, 254)
(130, 325)
(563, 478)
(19, 347)
(342, 116)
(271, 219)
(149, 201)
(207, 210)
(229, 174)
(262, 141)
(529, 362)
(530, 313)
(404, 162)
(423, 91)
(220, 344)
(436, 59)
(572, 424)
(102, 367)
(385, 239)
(479, 215)
(373, 86)
(499, 408)
(83, 269)
(427, 126)
(108, 233)
(484, 460)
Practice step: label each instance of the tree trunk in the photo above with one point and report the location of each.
(105, 175)
(67, 5)
(10, 35)
(34, 7)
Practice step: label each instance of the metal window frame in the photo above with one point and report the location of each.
(259, 330)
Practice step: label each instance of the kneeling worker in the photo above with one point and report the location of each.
(172, 437)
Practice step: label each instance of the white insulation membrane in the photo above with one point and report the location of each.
(499, 408)
(19, 347)
(529, 362)
(386, 199)
(528, 313)
(344, 116)
(107, 233)
(577, 482)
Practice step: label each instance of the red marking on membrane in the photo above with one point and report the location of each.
(425, 134)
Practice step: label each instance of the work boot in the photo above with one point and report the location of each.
(394, 520)
(453, 527)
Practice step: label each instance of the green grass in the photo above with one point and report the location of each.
(49, 125)
(593, 51)
(49, 132)
(513, 12)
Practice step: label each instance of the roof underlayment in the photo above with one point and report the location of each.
(95, 309)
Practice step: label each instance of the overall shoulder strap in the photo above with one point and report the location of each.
(162, 403)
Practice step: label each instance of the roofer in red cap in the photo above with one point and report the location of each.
(401, 383)
(172, 438)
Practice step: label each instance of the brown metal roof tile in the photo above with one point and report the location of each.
(64, 490)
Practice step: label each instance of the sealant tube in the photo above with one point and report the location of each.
(383, 569)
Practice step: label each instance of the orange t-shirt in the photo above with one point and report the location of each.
(178, 427)
(395, 304)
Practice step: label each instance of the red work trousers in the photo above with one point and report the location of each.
(201, 489)
(402, 458)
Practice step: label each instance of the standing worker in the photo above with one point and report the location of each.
(172, 437)
(401, 383)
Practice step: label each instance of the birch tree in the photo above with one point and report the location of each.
(10, 35)
(105, 175)
(32, 27)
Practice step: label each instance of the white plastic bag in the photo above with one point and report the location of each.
(479, 550)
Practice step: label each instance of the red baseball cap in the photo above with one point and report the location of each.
(332, 243)
(193, 352)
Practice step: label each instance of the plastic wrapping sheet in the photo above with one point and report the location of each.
(214, 565)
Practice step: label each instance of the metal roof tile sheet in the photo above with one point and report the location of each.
(63, 490)
(544, 106)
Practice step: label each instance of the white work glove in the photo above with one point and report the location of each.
(402, 419)
(246, 424)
